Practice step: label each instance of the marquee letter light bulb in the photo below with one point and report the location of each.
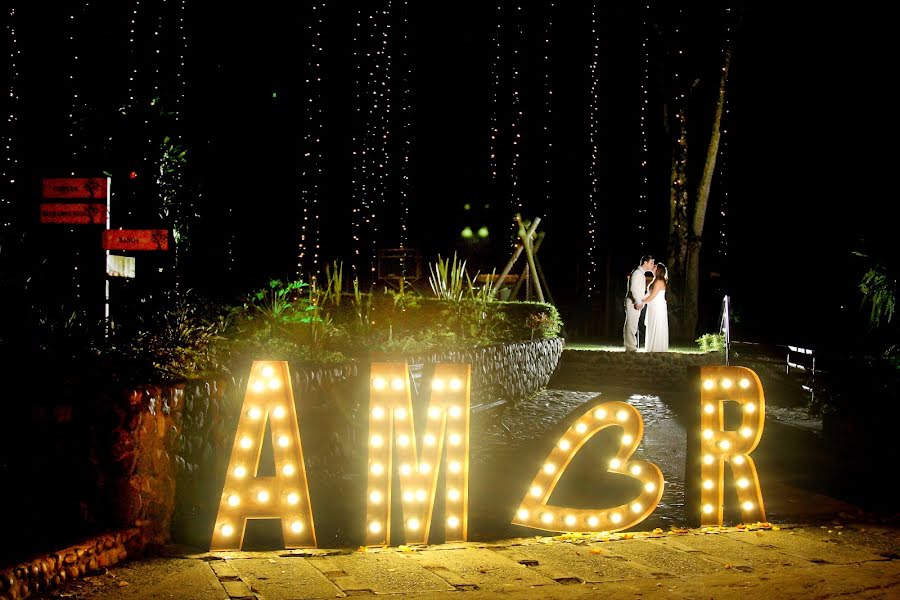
(284, 496)
(718, 386)
(534, 511)
(391, 421)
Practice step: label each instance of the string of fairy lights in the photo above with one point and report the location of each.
(357, 188)
(495, 90)
(548, 105)
(515, 125)
(406, 129)
(641, 207)
(383, 93)
(77, 142)
(722, 247)
(311, 173)
(10, 163)
(593, 141)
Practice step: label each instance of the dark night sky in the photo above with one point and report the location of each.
(805, 173)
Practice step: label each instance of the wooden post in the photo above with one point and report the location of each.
(526, 242)
(514, 257)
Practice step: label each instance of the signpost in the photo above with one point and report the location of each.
(136, 239)
(74, 214)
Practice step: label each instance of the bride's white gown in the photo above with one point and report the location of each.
(656, 322)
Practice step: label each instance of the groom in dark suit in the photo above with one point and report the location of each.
(637, 288)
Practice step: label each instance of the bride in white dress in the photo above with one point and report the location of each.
(656, 320)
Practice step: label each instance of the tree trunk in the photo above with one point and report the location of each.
(695, 242)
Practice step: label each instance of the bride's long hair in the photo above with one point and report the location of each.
(662, 273)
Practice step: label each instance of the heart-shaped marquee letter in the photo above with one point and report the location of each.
(536, 513)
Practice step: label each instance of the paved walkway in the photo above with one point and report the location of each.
(852, 561)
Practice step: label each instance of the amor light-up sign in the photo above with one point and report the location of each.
(396, 448)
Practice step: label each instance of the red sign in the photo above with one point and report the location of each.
(74, 214)
(75, 187)
(136, 239)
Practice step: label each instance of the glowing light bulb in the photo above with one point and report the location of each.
(455, 384)
(726, 384)
(227, 530)
(453, 494)
(707, 434)
(743, 482)
(536, 491)
(405, 469)
(279, 412)
(747, 505)
(288, 469)
(421, 495)
(268, 371)
(274, 384)
(650, 487)
(375, 497)
(400, 414)
(744, 383)
(413, 524)
(709, 384)
(724, 444)
(258, 386)
(424, 468)
(377, 469)
(708, 508)
(437, 384)
(709, 409)
(738, 460)
(429, 440)
(246, 442)
(378, 412)
(262, 496)
(453, 522)
(522, 514)
(297, 526)
(570, 520)
(455, 411)
(564, 444)
(455, 467)
(635, 469)
(746, 432)
(547, 518)
(254, 413)
(580, 428)
(622, 416)
(455, 439)
(549, 468)
(600, 413)
(708, 484)
(636, 507)
(708, 459)
(615, 518)
(593, 521)
(403, 440)
(434, 412)
(240, 472)
(293, 498)
(408, 496)
(627, 439)
(375, 527)
(284, 441)
(615, 463)
(749, 408)
(379, 384)
(234, 500)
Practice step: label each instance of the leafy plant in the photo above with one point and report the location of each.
(447, 279)
(711, 342)
(334, 276)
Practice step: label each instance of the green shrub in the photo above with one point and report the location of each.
(711, 342)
